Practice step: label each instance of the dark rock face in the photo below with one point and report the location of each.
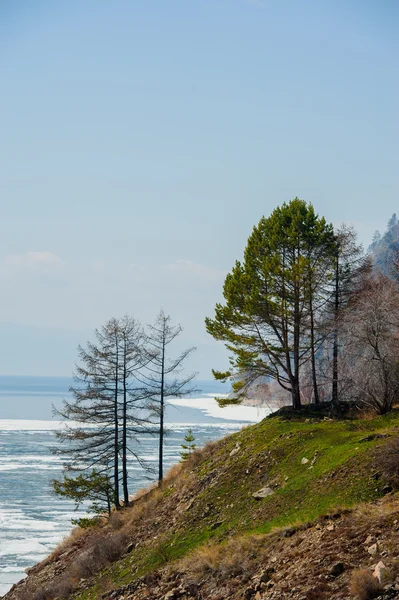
(390, 594)
(337, 569)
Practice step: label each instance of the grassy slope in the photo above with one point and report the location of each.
(210, 499)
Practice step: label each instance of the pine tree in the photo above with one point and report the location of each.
(93, 487)
(270, 299)
(189, 446)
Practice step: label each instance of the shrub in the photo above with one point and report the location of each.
(388, 460)
(364, 586)
(63, 588)
(66, 544)
(115, 520)
(235, 558)
(162, 554)
(109, 548)
(85, 565)
(320, 592)
(173, 472)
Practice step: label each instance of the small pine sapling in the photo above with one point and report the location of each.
(189, 446)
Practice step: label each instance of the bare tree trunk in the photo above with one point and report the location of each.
(296, 395)
(124, 433)
(334, 395)
(116, 433)
(313, 355)
(162, 408)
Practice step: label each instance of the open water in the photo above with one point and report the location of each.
(32, 519)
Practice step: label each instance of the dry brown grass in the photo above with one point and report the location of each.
(187, 483)
(144, 492)
(63, 588)
(66, 544)
(235, 558)
(388, 462)
(141, 507)
(364, 586)
(201, 454)
(59, 590)
(173, 472)
(320, 592)
(103, 550)
(116, 520)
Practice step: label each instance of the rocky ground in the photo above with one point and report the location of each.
(305, 563)
(296, 507)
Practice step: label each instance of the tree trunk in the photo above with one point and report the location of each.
(313, 355)
(108, 504)
(124, 435)
(334, 395)
(296, 396)
(161, 419)
(116, 434)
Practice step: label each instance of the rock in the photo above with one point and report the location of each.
(262, 493)
(304, 461)
(390, 594)
(330, 527)
(368, 539)
(175, 593)
(337, 569)
(374, 436)
(216, 524)
(266, 575)
(270, 584)
(289, 532)
(380, 572)
(249, 593)
(373, 549)
(189, 505)
(235, 450)
(314, 458)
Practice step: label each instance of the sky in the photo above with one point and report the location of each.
(141, 141)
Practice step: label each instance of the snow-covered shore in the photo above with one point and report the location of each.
(209, 406)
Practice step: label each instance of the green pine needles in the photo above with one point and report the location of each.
(273, 298)
(189, 446)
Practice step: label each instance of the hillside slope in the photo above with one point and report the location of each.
(269, 512)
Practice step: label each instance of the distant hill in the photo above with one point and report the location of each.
(384, 249)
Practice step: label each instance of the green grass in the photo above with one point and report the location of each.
(270, 454)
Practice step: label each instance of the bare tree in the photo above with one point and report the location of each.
(134, 417)
(160, 378)
(350, 265)
(370, 330)
(91, 433)
(108, 407)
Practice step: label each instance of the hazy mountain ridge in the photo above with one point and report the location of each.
(384, 248)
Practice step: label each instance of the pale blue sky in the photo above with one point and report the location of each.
(141, 140)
